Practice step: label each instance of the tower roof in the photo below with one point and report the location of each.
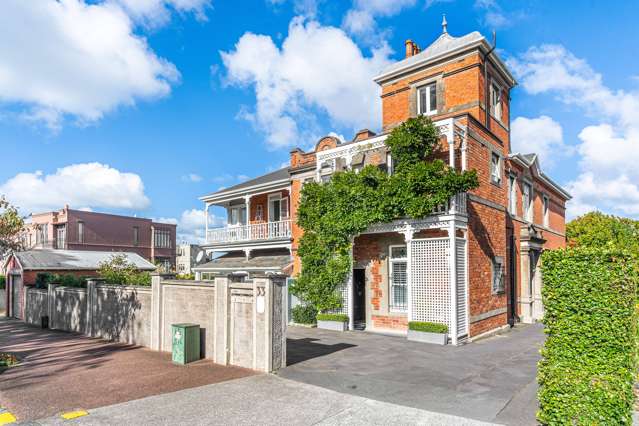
(445, 45)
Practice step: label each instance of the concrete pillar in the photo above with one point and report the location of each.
(537, 303)
(525, 289)
(157, 323)
(92, 305)
(51, 305)
(221, 353)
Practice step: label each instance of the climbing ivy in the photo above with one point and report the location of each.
(333, 213)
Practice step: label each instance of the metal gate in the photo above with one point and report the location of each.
(16, 295)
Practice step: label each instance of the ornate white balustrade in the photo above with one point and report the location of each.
(252, 232)
(456, 205)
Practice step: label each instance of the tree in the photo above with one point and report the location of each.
(11, 228)
(596, 229)
(333, 213)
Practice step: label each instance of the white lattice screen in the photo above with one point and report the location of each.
(462, 291)
(343, 290)
(430, 282)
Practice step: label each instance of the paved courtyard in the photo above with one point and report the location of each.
(491, 380)
(63, 371)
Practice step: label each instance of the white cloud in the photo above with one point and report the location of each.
(306, 8)
(541, 135)
(191, 226)
(316, 68)
(609, 150)
(191, 177)
(154, 13)
(360, 20)
(88, 185)
(76, 60)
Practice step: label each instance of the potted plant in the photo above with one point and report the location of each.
(428, 332)
(336, 322)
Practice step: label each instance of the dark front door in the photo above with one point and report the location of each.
(359, 291)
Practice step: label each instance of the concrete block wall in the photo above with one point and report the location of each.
(3, 300)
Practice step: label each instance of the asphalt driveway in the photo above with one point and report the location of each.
(61, 372)
(492, 380)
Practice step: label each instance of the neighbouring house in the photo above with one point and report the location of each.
(23, 269)
(473, 264)
(187, 257)
(69, 229)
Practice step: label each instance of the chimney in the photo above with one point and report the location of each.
(363, 134)
(410, 48)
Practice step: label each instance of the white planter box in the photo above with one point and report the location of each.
(425, 337)
(332, 325)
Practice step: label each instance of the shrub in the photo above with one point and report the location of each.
(43, 279)
(3, 282)
(428, 327)
(304, 314)
(588, 364)
(332, 317)
(118, 270)
(185, 276)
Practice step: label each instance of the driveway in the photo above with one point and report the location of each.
(61, 372)
(492, 380)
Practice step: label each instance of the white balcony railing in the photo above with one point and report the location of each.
(456, 205)
(252, 232)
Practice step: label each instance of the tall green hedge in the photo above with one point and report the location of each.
(588, 364)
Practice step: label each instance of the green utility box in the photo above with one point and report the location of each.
(186, 343)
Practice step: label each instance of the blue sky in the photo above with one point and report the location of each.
(141, 106)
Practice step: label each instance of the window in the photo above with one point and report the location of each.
(259, 213)
(136, 235)
(81, 232)
(162, 238)
(398, 278)
(237, 216)
(495, 101)
(498, 275)
(277, 208)
(495, 168)
(526, 201)
(427, 99)
(42, 233)
(546, 209)
(326, 170)
(512, 194)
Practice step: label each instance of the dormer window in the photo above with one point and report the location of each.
(495, 101)
(427, 99)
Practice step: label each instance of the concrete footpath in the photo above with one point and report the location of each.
(259, 400)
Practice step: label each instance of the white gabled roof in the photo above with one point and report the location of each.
(445, 45)
(531, 161)
(74, 260)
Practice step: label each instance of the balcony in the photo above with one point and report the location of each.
(248, 233)
(456, 205)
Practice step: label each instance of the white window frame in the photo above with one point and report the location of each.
(495, 171)
(512, 194)
(391, 294)
(497, 284)
(284, 209)
(496, 101)
(428, 110)
(236, 210)
(546, 209)
(527, 206)
(259, 213)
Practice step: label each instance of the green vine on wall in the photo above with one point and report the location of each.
(333, 213)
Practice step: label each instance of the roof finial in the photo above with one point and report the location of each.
(444, 25)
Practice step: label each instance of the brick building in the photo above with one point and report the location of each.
(69, 229)
(404, 271)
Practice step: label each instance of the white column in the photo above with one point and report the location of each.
(453, 280)
(408, 238)
(451, 150)
(349, 293)
(464, 149)
(247, 201)
(206, 229)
